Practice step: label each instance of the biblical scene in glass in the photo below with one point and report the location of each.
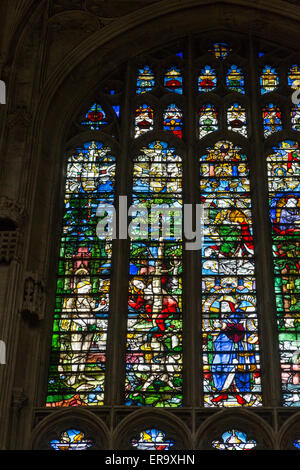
(71, 439)
(284, 199)
(234, 440)
(78, 355)
(152, 439)
(231, 358)
(154, 330)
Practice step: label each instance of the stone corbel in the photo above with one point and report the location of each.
(12, 221)
(19, 399)
(33, 306)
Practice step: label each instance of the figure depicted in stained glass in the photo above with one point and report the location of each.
(284, 196)
(294, 77)
(154, 349)
(72, 439)
(77, 366)
(229, 318)
(272, 120)
(295, 117)
(144, 120)
(236, 119)
(173, 120)
(173, 80)
(269, 79)
(235, 79)
(207, 80)
(208, 120)
(145, 80)
(234, 440)
(152, 439)
(220, 50)
(95, 117)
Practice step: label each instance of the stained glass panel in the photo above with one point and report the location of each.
(72, 439)
(231, 359)
(236, 119)
(235, 79)
(207, 80)
(284, 199)
(208, 120)
(145, 80)
(220, 50)
(269, 79)
(295, 117)
(144, 120)
(152, 439)
(154, 331)
(173, 80)
(95, 117)
(173, 120)
(294, 77)
(234, 440)
(272, 119)
(77, 366)
(296, 444)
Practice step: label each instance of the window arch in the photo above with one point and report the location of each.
(211, 106)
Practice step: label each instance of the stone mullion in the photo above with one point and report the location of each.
(116, 343)
(269, 348)
(191, 334)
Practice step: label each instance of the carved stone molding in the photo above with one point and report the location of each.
(10, 209)
(20, 117)
(74, 21)
(19, 398)
(34, 298)
(12, 221)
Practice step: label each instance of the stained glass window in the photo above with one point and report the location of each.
(295, 117)
(296, 444)
(235, 79)
(152, 439)
(144, 119)
(207, 80)
(220, 50)
(284, 199)
(234, 440)
(272, 119)
(269, 79)
(95, 117)
(294, 77)
(236, 119)
(173, 80)
(231, 358)
(158, 134)
(145, 80)
(77, 368)
(173, 120)
(208, 120)
(154, 331)
(71, 439)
